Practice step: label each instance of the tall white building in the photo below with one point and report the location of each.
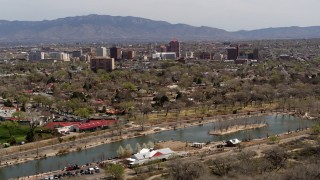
(63, 57)
(60, 56)
(102, 51)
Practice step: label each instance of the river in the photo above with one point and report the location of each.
(276, 124)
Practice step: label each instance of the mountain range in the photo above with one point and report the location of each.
(98, 28)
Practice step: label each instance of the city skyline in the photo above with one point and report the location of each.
(231, 15)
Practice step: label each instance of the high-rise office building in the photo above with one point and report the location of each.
(232, 53)
(131, 54)
(115, 52)
(256, 54)
(101, 51)
(206, 55)
(103, 63)
(174, 46)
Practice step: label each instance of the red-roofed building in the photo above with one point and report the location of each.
(21, 120)
(82, 126)
(93, 125)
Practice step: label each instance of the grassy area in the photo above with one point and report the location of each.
(19, 133)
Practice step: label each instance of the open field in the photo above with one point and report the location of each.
(19, 133)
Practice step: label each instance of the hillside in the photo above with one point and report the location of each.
(94, 28)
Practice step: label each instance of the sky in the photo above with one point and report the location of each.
(231, 15)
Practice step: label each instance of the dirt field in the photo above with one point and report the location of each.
(174, 145)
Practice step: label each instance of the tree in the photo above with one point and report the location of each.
(10, 126)
(145, 109)
(120, 151)
(128, 150)
(129, 86)
(116, 171)
(221, 166)
(22, 99)
(138, 147)
(277, 157)
(144, 145)
(19, 115)
(150, 144)
(303, 171)
(83, 112)
(168, 105)
(127, 106)
(8, 103)
(187, 170)
(33, 124)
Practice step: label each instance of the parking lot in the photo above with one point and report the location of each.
(75, 172)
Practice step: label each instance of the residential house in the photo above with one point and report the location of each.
(6, 112)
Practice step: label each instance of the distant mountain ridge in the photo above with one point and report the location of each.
(97, 28)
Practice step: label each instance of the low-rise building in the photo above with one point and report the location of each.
(164, 56)
(65, 127)
(147, 155)
(6, 112)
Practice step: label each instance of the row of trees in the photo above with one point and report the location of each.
(128, 150)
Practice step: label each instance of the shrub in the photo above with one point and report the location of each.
(12, 140)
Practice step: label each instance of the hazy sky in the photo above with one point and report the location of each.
(225, 14)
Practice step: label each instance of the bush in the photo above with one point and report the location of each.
(63, 151)
(72, 138)
(187, 169)
(60, 139)
(116, 171)
(315, 129)
(277, 157)
(274, 139)
(12, 141)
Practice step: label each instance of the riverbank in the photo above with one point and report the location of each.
(236, 128)
(81, 144)
(208, 151)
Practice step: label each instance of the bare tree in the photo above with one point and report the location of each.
(187, 170)
(277, 157)
(33, 124)
(145, 109)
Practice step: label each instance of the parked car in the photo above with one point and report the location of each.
(91, 170)
(96, 169)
